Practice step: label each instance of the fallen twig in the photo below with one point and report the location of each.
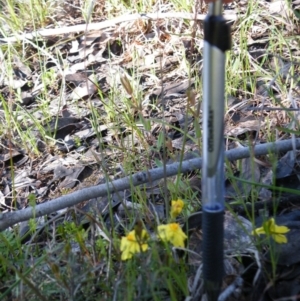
(11, 218)
(42, 33)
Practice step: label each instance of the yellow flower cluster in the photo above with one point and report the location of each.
(269, 228)
(172, 233)
(176, 208)
(132, 243)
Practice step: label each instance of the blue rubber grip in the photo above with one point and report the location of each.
(213, 249)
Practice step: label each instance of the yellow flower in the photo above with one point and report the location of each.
(176, 208)
(172, 233)
(133, 243)
(270, 228)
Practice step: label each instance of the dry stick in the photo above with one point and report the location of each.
(105, 24)
(11, 218)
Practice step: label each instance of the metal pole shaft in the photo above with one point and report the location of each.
(216, 42)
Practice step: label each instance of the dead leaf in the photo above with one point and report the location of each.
(244, 127)
(85, 89)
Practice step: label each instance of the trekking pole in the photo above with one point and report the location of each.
(216, 42)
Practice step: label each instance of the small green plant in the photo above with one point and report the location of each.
(70, 231)
(272, 233)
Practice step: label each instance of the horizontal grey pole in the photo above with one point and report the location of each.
(11, 218)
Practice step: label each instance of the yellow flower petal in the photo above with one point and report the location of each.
(280, 238)
(131, 245)
(172, 233)
(176, 208)
(144, 235)
(258, 231)
(162, 231)
(144, 247)
(279, 229)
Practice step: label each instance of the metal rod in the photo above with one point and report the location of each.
(216, 42)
